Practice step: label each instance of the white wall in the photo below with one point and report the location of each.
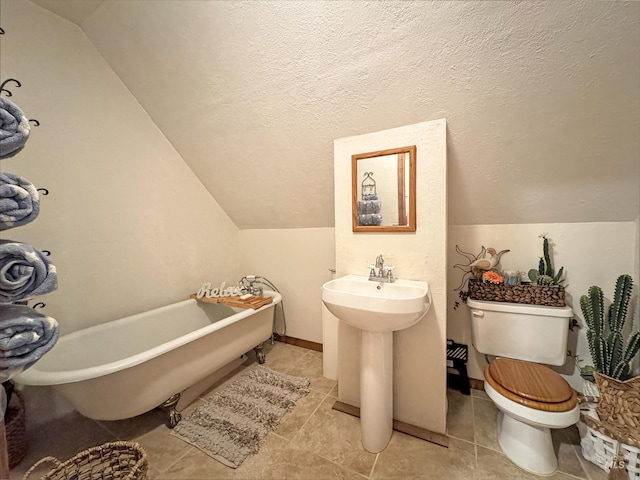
(419, 351)
(297, 262)
(636, 276)
(129, 225)
(591, 253)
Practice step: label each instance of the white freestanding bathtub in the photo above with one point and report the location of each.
(129, 366)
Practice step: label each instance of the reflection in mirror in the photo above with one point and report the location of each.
(384, 190)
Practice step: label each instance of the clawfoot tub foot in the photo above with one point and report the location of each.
(169, 407)
(261, 356)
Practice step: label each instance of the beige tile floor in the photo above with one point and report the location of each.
(312, 442)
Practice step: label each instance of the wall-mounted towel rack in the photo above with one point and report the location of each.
(368, 188)
(8, 93)
(4, 456)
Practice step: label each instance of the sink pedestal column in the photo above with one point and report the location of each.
(376, 389)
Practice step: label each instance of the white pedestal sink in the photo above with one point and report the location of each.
(378, 309)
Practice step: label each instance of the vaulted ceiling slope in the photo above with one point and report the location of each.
(74, 10)
(542, 99)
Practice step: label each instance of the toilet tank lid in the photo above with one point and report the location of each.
(521, 308)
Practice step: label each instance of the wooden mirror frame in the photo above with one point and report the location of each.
(411, 217)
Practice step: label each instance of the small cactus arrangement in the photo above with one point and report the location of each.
(545, 274)
(542, 286)
(612, 355)
(605, 334)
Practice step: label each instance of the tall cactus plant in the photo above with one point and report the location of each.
(605, 334)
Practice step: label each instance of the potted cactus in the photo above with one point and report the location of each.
(545, 274)
(612, 354)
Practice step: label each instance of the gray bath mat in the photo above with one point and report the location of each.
(231, 424)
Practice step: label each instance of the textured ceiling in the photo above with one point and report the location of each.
(542, 99)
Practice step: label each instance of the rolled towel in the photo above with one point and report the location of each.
(370, 219)
(19, 201)
(370, 196)
(25, 336)
(369, 206)
(14, 128)
(25, 272)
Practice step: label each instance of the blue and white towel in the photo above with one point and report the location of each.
(25, 336)
(369, 206)
(19, 201)
(14, 128)
(370, 219)
(25, 272)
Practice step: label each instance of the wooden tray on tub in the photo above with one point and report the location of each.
(254, 302)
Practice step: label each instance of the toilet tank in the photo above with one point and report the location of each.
(534, 333)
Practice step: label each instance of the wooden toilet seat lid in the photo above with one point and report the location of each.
(531, 384)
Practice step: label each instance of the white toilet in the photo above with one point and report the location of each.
(531, 397)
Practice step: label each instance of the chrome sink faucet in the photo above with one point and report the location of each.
(380, 273)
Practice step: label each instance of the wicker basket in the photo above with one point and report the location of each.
(601, 450)
(110, 461)
(599, 446)
(619, 404)
(552, 296)
(15, 429)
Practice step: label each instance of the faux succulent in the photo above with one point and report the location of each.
(611, 354)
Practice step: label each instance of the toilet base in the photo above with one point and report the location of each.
(529, 447)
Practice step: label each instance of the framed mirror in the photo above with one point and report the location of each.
(383, 190)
